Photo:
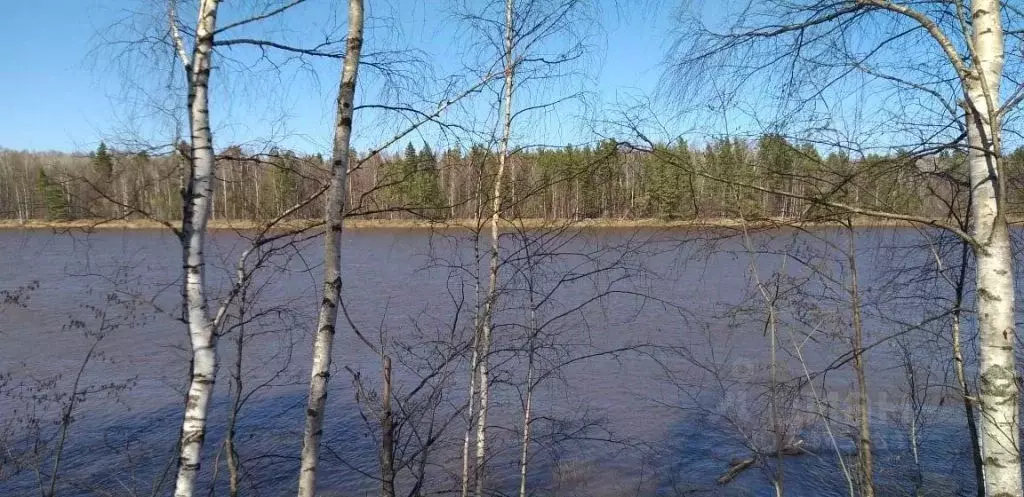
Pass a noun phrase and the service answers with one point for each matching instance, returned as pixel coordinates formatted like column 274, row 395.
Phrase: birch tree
column 483, row 340
column 981, row 77
column 197, row 203
column 519, row 44
column 198, row 197
column 333, row 218
column 779, row 46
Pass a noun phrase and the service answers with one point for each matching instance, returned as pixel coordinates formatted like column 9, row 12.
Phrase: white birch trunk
column 124, row 196
column 999, row 396
column 236, row 405
column 524, row 456
column 237, row 394
column 195, row 215
column 257, row 208
column 524, row 453
column 21, row 206
column 471, row 417
column 484, row 344
column 478, row 309
column 333, row 217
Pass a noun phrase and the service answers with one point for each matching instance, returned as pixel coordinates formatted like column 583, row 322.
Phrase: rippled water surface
column 683, row 393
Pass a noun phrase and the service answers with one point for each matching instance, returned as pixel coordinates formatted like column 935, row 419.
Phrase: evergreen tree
column 103, row 164
column 415, row 183
column 285, row 182
column 605, row 174
column 401, row 179
column 103, row 179
column 427, row 185
column 666, row 185
column 409, row 157
column 53, row 197
column 777, row 161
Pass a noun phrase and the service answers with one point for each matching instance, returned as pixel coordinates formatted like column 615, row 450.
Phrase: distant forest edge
column 764, row 179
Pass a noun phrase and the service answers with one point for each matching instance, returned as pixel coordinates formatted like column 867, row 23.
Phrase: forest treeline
column 728, row 178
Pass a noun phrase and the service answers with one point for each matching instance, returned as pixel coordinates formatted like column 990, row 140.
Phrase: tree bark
column 477, row 320
column 196, row 211
column 471, row 408
column 524, row 454
column 777, row 428
column 236, row 395
column 999, row 395
column 484, row 344
column 863, row 407
column 387, row 438
column 961, row 375
column 333, row 217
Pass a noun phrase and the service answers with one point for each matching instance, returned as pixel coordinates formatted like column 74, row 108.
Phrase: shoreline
column 450, row 224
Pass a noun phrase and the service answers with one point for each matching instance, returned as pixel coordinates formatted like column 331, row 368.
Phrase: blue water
column 609, row 426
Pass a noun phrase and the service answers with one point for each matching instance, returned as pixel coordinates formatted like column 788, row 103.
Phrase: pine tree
column 427, row 183
column 103, row 178
column 401, row 177
column 415, row 182
column 777, row 161
column 284, row 181
column 53, row 197
column 103, row 164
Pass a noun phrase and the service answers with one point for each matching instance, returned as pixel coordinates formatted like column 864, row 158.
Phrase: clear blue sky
column 51, row 100
column 60, row 91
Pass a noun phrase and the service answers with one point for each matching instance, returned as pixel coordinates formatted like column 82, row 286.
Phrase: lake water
column 651, row 346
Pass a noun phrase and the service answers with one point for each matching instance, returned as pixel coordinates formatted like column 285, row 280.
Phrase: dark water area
column 654, row 350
